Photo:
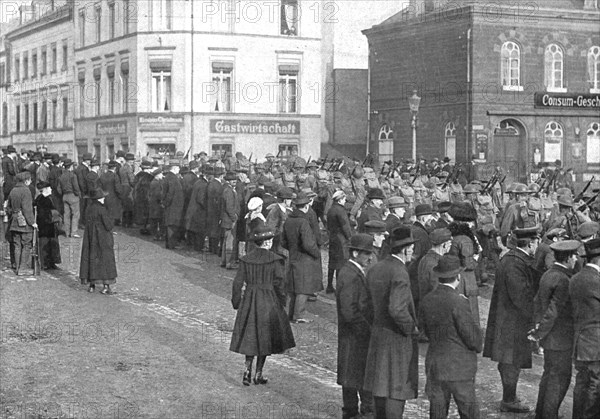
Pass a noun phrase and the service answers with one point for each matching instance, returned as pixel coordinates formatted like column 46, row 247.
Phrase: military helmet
column 534, row 188
column 520, row 188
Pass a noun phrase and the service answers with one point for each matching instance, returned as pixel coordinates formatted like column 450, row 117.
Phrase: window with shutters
column 593, row 59
column 553, row 68
column 221, row 96
column 288, row 88
column 510, row 66
column 161, row 86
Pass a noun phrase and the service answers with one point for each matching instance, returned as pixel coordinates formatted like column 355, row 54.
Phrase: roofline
column 63, row 13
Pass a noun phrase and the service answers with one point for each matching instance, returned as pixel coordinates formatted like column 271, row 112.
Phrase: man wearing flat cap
column 355, row 317
column 584, row 290
column 393, row 346
column 511, row 316
column 553, row 330
column 441, row 241
column 338, row 226
column 21, row 223
column 454, row 342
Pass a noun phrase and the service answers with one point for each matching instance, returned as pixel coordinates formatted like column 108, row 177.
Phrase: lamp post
column 413, row 102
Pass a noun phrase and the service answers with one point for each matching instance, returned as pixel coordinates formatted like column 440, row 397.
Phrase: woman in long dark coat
column 97, row 264
column 261, row 326
column 109, row 182
column 47, row 231
column 254, row 220
column 338, row 226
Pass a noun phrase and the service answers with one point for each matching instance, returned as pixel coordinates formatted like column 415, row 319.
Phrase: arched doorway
column 509, row 149
column 386, row 143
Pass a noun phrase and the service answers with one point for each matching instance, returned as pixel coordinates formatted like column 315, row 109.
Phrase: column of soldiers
column 409, row 245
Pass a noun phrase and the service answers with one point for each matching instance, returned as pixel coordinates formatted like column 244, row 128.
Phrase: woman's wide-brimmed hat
column 96, row 194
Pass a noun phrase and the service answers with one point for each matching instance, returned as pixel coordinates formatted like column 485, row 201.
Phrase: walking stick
column 35, row 251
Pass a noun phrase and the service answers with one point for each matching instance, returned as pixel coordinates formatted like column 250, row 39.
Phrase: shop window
column 511, row 66
column 553, row 68
column 287, row 150
column 288, row 88
column 450, row 140
column 593, row 144
column 4, row 119
column 220, row 150
column 593, row 59
column 289, row 17
column 553, row 141
column 385, row 140
column 222, row 91
column 161, row 86
column 162, row 149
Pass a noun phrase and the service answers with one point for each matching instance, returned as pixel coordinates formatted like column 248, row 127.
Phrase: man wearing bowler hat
column 391, row 372
column 373, row 211
column 454, row 342
column 355, row 317
column 419, row 230
column 511, row 316
column 554, row 328
column 584, row 290
column 397, row 206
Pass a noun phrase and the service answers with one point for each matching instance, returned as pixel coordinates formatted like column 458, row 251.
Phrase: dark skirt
column 49, row 251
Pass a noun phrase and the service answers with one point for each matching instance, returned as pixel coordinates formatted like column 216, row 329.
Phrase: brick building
column 512, row 84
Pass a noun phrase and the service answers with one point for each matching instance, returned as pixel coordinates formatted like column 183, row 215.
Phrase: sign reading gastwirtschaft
column 238, row 126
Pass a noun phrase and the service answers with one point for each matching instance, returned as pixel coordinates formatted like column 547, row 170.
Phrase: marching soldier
column 518, row 215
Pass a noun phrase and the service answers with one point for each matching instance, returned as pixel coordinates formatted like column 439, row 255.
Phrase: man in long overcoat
column 230, row 212
column 511, row 316
column 156, row 211
column 391, row 373
column 277, row 216
column 125, row 174
column 21, row 222
column 585, row 298
column 172, row 200
column 213, row 210
column 304, row 258
column 355, row 316
column 454, row 342
column 143, row 179
column 554, row 328
column 338, row 226
column 9, row 170
column 195, row 218
column 81, row 172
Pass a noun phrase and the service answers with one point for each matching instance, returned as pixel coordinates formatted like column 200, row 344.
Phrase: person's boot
column 260, row 363
column 248, row 373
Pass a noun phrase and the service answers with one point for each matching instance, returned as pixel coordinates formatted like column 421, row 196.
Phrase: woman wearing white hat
column 254, row 219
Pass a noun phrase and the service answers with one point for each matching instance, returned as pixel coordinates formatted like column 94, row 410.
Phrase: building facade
column 37, row 96
column 513, row 85
column 226, row 76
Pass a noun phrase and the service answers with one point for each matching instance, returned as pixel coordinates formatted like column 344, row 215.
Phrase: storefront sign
column 160, row 121
column 236, row 126
column 111, row 128
column 566, row 100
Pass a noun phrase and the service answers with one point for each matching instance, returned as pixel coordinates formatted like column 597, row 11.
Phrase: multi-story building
column 166, row 75
column 4, row 77
column 513, row 84
column 38, row 95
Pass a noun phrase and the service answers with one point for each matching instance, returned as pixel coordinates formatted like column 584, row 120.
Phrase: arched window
column 386, row 143
column 507, row 127
column 553, row 66
column 594, row 68
column 553, row 140
column 593, row 143
column 510, row 66
column 450, row 140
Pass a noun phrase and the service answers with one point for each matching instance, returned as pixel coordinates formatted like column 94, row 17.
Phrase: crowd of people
column 409, row 246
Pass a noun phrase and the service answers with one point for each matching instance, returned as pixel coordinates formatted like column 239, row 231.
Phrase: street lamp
column 413, row 102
